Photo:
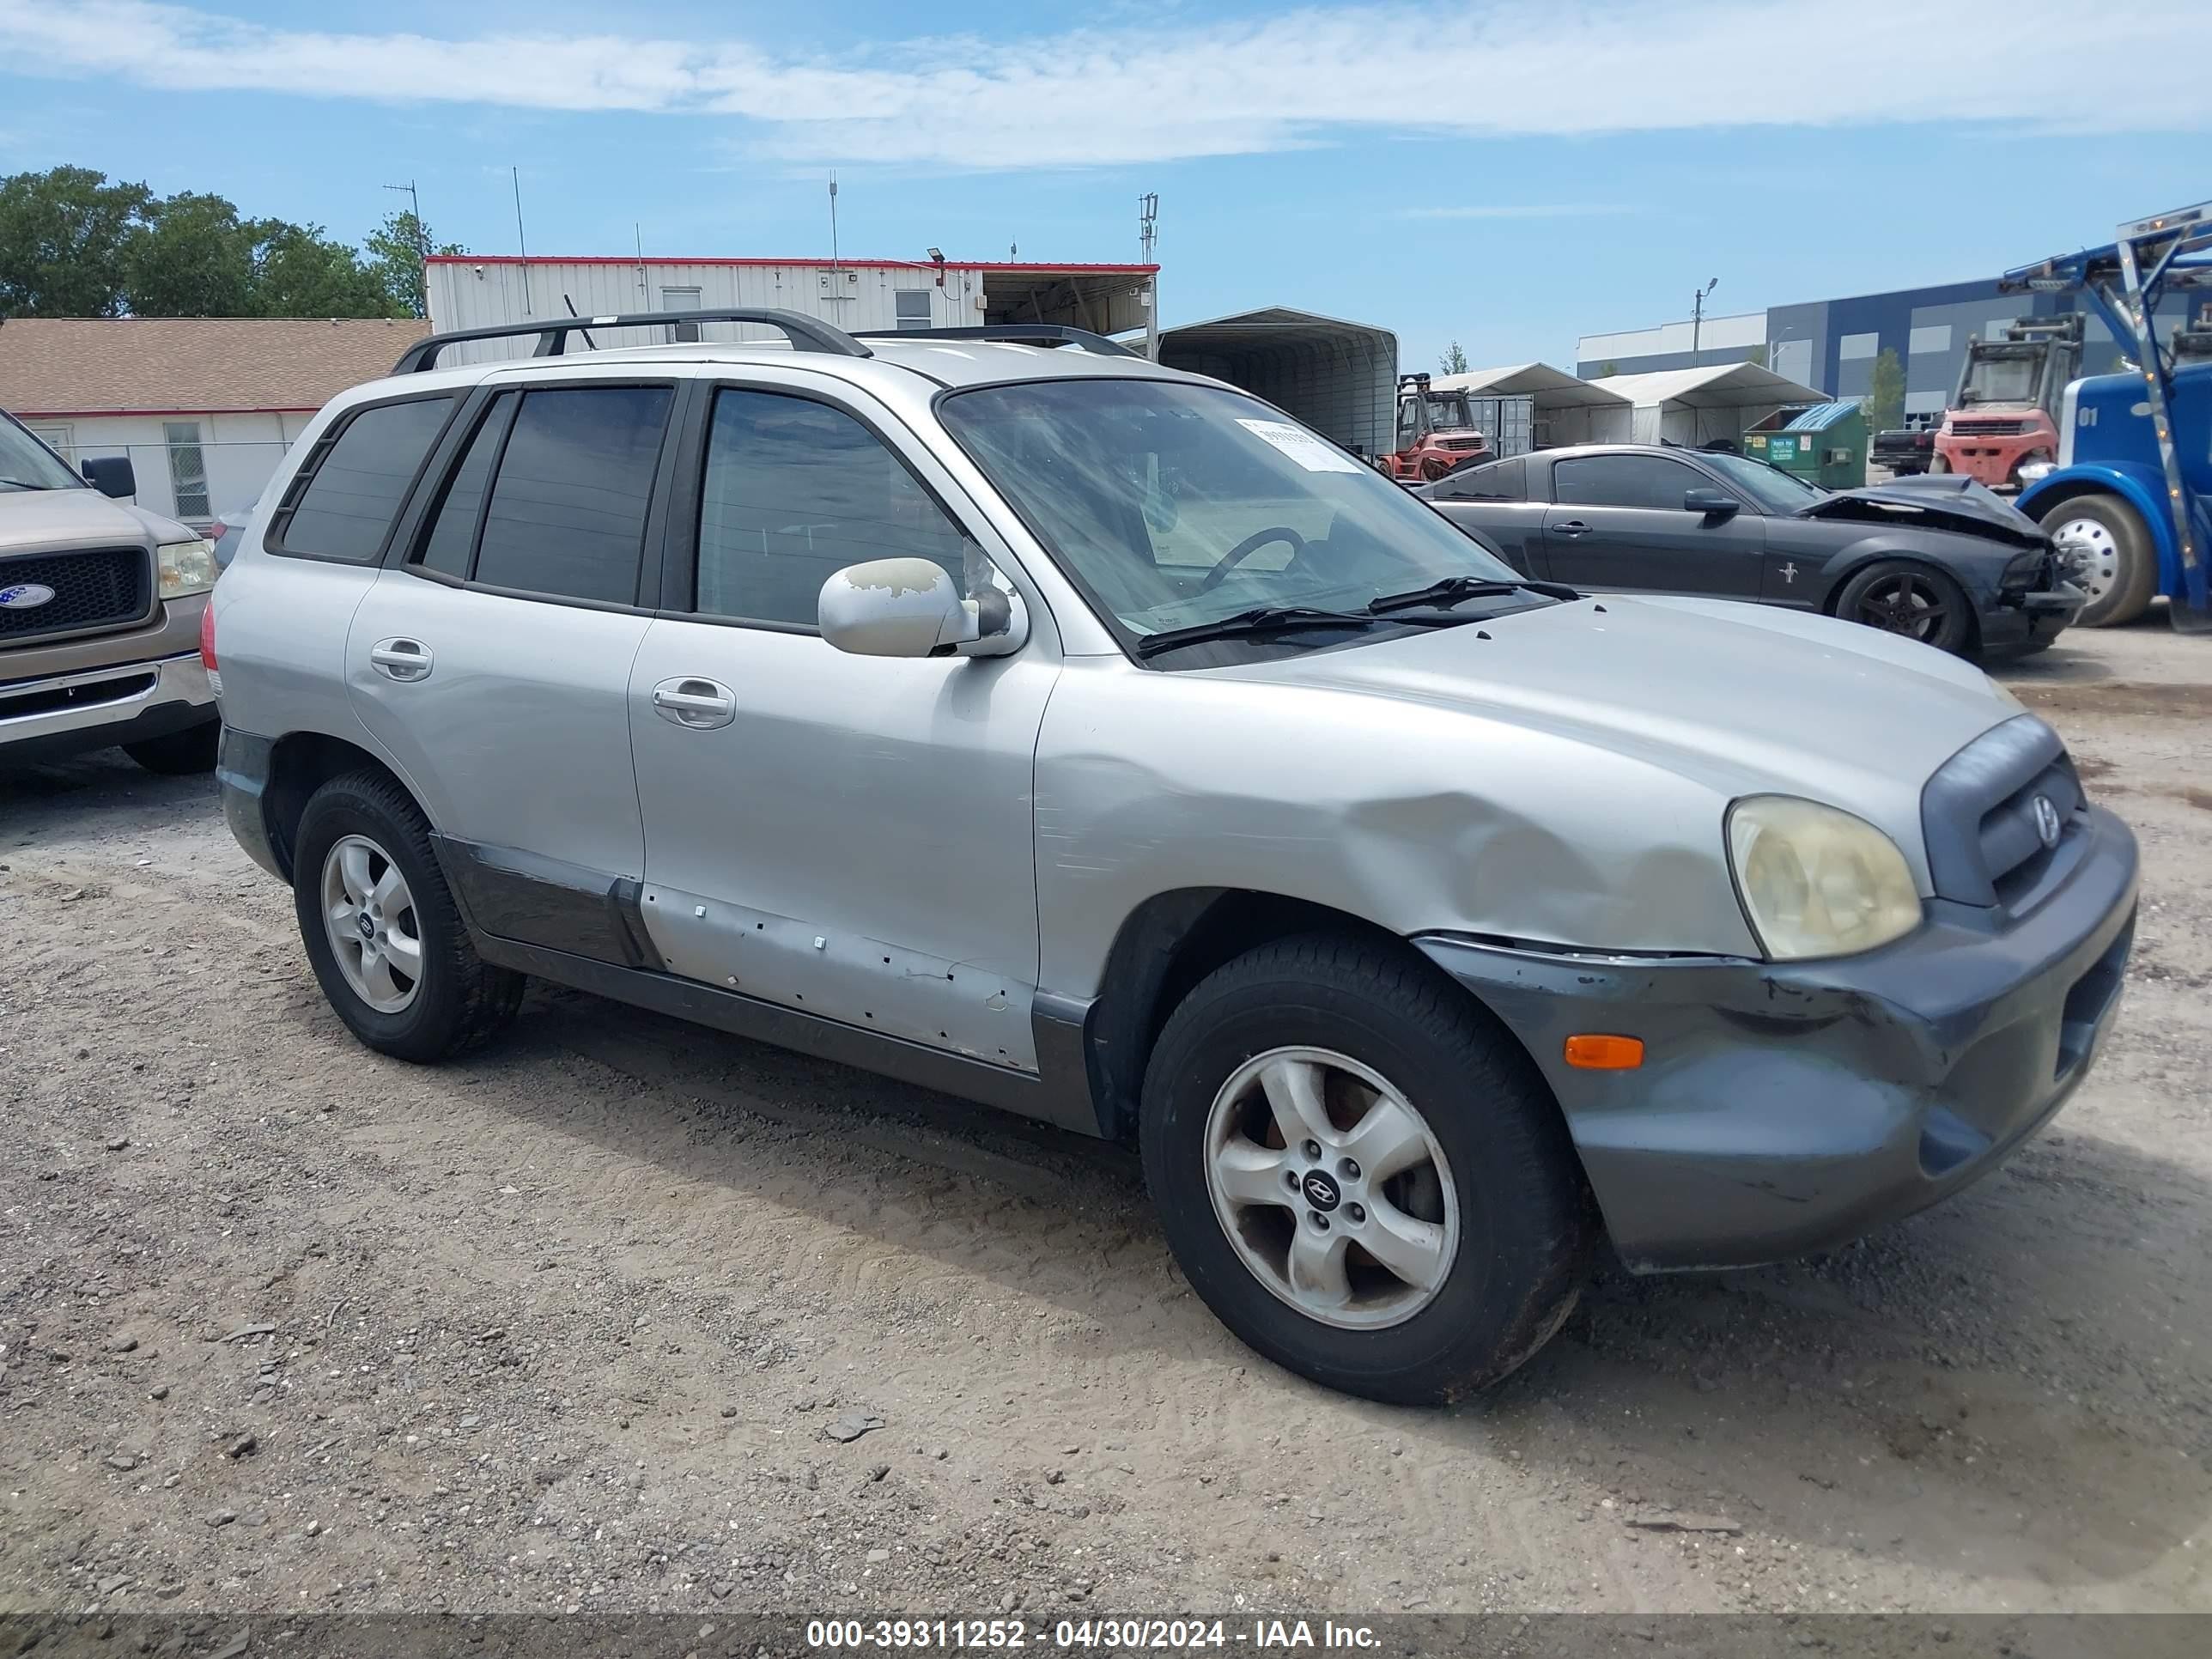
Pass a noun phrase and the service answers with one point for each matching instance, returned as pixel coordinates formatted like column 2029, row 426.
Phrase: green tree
column 64, row 240
column 1606, row 370
column 396, row 251
column 301, row 272
column 1453, row 361
column 190, row 256
column 1885, row 398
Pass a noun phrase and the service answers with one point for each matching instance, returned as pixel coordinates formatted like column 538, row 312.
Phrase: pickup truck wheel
column 382, row 932
column 179, row 754
column 2108, row 555
column 1361, row 1174
column 1916, row 600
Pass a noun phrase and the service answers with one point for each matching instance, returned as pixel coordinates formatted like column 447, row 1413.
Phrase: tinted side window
column 567, row 513
column 452, row 542
column 794, row 491
column 1500, row 481
column 1623, row 481
column 354, row 485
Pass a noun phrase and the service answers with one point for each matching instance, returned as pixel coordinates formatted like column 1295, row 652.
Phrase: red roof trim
column 1023, row 266
column 128, row 414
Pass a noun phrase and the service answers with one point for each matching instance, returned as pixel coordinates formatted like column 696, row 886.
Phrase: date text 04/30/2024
column 1109, row 1635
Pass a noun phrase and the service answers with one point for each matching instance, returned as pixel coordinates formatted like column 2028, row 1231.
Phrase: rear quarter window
column 341, row 503
column 1498, row 481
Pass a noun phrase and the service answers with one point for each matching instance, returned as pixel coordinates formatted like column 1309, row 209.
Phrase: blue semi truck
column 2129, row 499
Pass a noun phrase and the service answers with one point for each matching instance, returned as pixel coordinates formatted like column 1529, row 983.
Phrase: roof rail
column 806, row 333
column 1011, row 334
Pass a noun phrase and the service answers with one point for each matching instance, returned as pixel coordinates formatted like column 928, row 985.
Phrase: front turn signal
column 1592, row 1052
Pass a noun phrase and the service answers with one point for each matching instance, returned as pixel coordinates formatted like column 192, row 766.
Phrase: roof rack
column 1011, row 334
column 804, row 333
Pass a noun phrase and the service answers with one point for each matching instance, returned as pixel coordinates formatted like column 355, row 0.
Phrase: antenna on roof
column 516, row 174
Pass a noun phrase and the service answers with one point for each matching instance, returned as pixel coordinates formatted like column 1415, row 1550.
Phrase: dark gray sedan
column 1939, row 559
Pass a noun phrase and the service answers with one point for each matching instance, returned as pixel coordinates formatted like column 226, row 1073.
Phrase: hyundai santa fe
column 1004, row 712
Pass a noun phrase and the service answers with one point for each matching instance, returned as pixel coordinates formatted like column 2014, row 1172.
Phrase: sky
column 1508, row 174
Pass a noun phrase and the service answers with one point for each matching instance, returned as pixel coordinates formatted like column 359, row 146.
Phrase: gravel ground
column 625, row 1316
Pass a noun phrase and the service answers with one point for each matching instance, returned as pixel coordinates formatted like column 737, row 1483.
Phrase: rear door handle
column 1572, row 527
column 401, row 660
column 700, row 704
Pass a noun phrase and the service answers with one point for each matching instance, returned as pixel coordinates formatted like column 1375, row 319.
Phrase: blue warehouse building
column 1832, row 343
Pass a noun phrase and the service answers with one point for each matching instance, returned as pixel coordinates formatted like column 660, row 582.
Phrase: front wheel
column 1916, row 600
column 1937, row 465
column 1361, row 1174
column 382, row 932
column 2108, row 555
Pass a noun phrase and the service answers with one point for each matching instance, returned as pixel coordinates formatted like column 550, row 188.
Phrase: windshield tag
column 1301, row 445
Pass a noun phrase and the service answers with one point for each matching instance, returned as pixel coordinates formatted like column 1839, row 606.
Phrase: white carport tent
column 1567, row 411
column 1340, row 378
column 1695, row 406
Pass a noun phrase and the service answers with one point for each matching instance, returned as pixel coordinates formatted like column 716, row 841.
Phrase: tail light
column 207, row 646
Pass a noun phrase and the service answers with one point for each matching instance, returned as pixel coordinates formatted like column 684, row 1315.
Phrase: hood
column 1938, row 501
column 45, row 520
column 1743, row 699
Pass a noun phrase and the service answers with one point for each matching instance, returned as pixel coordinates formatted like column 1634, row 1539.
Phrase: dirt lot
column 286, row 1325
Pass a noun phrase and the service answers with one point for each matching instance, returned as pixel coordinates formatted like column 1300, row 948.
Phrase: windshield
column 27, row 463
column 1769, row 487
column 2001, row 381
column 1448, row 412
column 1173, row 505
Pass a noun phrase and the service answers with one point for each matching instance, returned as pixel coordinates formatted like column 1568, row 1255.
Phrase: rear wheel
column 1361, row 1174
column 382, row 932
column 2108, row 555
column 179, row 754
column 1916, row 600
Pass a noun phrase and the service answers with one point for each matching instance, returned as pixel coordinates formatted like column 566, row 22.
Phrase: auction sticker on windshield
column 1301, row 445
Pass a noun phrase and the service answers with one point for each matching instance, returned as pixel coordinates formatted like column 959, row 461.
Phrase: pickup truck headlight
column 185, row 568
column 1817, row 882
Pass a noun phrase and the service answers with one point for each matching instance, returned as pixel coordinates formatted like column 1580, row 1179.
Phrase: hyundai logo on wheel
column 25, row 596
column 2047, row 821
column 1321, row 1191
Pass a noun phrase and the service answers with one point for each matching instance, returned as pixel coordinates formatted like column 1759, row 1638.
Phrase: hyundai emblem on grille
column 25, row 596
column 2047, row 821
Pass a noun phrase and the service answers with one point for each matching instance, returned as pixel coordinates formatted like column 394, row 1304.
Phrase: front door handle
column 1572, row 528
column 700, row 704
column 401, row 660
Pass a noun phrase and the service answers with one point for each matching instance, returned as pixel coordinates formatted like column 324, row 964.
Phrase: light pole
column 1698, row 317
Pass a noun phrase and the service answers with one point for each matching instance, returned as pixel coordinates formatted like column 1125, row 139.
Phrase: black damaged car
column 1938, row 558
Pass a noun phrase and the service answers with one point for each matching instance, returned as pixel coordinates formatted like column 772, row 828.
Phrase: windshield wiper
column 1456, row 590
column 1260, row 619
column 24, row 483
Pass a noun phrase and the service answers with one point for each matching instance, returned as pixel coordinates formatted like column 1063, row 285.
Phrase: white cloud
column 1178, row 86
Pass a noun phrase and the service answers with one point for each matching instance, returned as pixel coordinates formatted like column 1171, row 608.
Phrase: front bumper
column 97, row 708
column 2031, row 619
column 1783, row 1108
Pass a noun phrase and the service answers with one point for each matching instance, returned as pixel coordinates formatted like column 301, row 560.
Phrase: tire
column 1903, row 596
column 179, row 754
column 454, row 1001
column 1938, row 465
column 2119, row 570
column 1495, row 1142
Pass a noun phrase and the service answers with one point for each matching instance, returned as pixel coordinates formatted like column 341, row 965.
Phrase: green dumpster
column 1825, row 444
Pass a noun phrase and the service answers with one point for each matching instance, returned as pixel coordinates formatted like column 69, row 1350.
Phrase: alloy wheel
column 369, row 916
column 1332, row 1187
column 1905, row 604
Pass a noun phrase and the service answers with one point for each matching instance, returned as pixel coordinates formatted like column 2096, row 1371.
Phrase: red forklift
column 2003, row 415
column 1437, row 433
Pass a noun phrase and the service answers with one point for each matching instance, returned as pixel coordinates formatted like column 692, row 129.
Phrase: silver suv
column 1019, row 717
column 101, row 603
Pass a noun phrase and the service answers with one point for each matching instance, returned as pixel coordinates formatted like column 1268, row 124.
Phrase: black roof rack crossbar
column 806, row 333
column 1011, row 334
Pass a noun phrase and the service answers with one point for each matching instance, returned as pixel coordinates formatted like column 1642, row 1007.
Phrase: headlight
column 1816, row 882
column 185, row 567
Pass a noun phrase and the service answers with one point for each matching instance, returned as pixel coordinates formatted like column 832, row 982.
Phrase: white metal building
column 470, row 291
column 1562, row 409
column 1696, row 406
column 1340, row 378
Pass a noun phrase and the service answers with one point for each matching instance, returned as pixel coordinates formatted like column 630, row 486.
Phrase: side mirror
column 1710, row 502
column 909, row 608
column 110, row 475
